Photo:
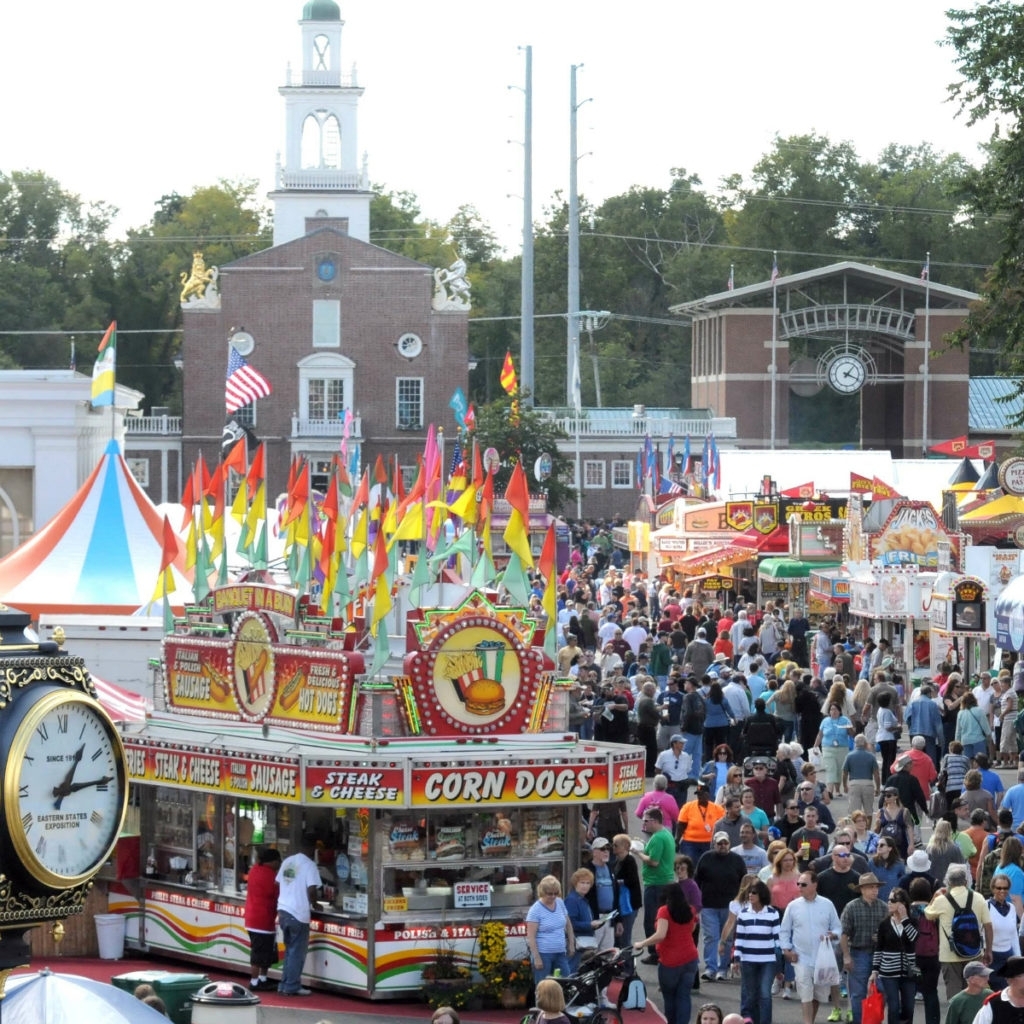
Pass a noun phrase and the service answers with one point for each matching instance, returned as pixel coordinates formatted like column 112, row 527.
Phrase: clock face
column 410, row 345
column 846, row 374
column 326, row 270
column 65, row 791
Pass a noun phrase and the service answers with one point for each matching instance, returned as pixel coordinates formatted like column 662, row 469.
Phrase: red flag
column 801, row 491
column 236, row 457
column 168, row 545
column 257, row 472
column 471, row 417
column 362, row 495
column 955, row 446
column 547, row 554
column 982, row 450
column 880, row 489
column 380, row 474
column 860, row 484
column 517, row 494
column 380, row 557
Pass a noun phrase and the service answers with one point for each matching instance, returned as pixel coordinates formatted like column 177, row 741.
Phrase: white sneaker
column 722, row 975
column 776, row 987
column 787, row 993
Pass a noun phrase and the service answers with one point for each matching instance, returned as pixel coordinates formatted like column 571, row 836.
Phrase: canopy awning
column 700, row 563
column 791, row 568
column 122, row 705
column 832, row 585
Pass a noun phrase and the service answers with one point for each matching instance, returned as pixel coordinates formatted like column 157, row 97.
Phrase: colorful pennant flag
column 104, row 368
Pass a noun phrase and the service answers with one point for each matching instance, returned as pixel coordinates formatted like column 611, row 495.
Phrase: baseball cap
column 678, row 738
column 975, row 969
column 600, row 843
column 722, row 837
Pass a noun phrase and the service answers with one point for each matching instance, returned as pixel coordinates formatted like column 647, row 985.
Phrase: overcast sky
column 125, row 101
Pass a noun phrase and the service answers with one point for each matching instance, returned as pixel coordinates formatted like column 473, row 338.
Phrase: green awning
column 791, row 568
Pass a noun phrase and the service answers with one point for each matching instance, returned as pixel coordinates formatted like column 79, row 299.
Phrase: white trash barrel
column 110, row 936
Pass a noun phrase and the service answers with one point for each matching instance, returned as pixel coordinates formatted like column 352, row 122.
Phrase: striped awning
column 122, row 705
column 698, row 563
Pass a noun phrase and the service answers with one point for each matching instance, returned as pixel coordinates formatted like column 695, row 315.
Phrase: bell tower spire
column 321, row 175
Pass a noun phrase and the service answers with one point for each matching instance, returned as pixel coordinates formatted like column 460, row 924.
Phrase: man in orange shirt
column 697, row 820
column 979, row 835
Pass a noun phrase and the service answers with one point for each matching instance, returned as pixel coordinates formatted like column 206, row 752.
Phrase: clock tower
column 321, row 175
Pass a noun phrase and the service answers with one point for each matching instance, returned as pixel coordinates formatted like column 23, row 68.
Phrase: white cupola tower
column 321, row 175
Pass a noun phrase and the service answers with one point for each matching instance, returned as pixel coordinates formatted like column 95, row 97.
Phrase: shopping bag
column 826, row 969
column 873, row 1007
column 814, row 756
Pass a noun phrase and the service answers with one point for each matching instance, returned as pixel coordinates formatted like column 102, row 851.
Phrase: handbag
column 872, row 1008
column 625, row 901
column 938, row 805
column 826, row 968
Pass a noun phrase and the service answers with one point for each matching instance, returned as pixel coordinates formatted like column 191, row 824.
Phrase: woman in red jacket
column 261, row 917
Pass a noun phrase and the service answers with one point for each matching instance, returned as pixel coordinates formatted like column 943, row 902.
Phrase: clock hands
column 64, row 788
column 74, row 787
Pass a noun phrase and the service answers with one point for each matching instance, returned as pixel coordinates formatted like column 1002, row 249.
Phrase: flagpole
column 927, row 351
column 775, row 317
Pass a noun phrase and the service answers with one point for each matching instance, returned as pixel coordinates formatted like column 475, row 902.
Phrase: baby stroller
column 765, row 759
column 583, row 989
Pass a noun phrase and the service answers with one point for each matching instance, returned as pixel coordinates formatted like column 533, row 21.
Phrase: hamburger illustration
column 476, row 676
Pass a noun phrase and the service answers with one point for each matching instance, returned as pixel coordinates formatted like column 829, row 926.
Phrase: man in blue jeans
column 298, row 880
column 719, row 873
column 858, row 931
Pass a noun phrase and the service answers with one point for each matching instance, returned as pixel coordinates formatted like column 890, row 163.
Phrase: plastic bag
column 826, row 969
column 872, row 1008
column 814, row 756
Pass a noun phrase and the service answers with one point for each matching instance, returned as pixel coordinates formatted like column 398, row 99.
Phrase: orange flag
column 257, row 472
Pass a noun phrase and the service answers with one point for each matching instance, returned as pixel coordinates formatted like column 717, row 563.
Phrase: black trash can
column 225, row 1001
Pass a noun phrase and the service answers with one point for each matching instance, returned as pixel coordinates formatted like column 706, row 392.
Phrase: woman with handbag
column 631, row 892
column 893, row 965
column 972, row 726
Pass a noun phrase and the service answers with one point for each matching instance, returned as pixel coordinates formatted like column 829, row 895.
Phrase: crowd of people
column 800, row 790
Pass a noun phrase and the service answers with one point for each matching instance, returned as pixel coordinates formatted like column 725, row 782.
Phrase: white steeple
column 321, row 175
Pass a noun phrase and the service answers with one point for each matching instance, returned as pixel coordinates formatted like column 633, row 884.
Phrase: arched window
column 321, row 140
column 321, row 53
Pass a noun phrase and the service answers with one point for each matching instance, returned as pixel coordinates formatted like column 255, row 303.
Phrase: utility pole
column 573, row 290
column 526, row 288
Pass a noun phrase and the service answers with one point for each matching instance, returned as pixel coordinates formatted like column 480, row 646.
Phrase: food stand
column 438, row 798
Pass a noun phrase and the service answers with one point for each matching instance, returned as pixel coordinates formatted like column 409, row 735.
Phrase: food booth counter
column 438, row 798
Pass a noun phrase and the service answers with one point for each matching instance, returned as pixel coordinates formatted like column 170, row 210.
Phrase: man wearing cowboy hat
column 858, row 924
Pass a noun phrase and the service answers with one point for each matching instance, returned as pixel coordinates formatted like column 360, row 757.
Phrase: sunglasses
column 1000, row 888
column 841, row 854
column 792, row 807
column 804, row 885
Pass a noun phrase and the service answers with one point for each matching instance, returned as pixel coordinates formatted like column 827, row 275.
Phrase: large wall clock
column 65, row 789
column 846, row 370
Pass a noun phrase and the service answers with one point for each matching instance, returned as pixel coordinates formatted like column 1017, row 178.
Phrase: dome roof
column 321, row 10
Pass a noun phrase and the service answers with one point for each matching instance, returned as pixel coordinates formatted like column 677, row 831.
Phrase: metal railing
column 816, row 320
column 642, row 426
column 325, row 428
column 165, row 425
column 321, row 178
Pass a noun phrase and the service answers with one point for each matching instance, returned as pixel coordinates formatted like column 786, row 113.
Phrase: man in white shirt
column 298, row 881
column 635, row 635
column 735, row 693
column 805, row 922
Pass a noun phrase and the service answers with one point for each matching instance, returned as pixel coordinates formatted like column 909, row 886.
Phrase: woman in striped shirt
column 757, row 935
column 893, row 964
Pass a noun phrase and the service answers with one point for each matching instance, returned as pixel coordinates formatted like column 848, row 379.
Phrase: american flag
column 775, row 267
column 732, row 280
column 926, row 270
column 244, row 384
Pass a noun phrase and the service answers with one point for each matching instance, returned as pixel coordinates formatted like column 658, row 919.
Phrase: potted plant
column 507, row 980
column 446, row 981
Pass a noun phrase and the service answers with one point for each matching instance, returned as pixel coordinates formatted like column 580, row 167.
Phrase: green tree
column 224, row 222
column 533, row 435
column 989, row 44
column 56, row 268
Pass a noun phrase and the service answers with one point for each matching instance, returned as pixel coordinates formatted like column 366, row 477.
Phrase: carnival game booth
column 959, row 624
column 439, row 797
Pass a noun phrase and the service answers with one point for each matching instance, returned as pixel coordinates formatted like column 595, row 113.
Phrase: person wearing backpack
column 926, row 949
column 965, row 927
column 1008, row 1005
